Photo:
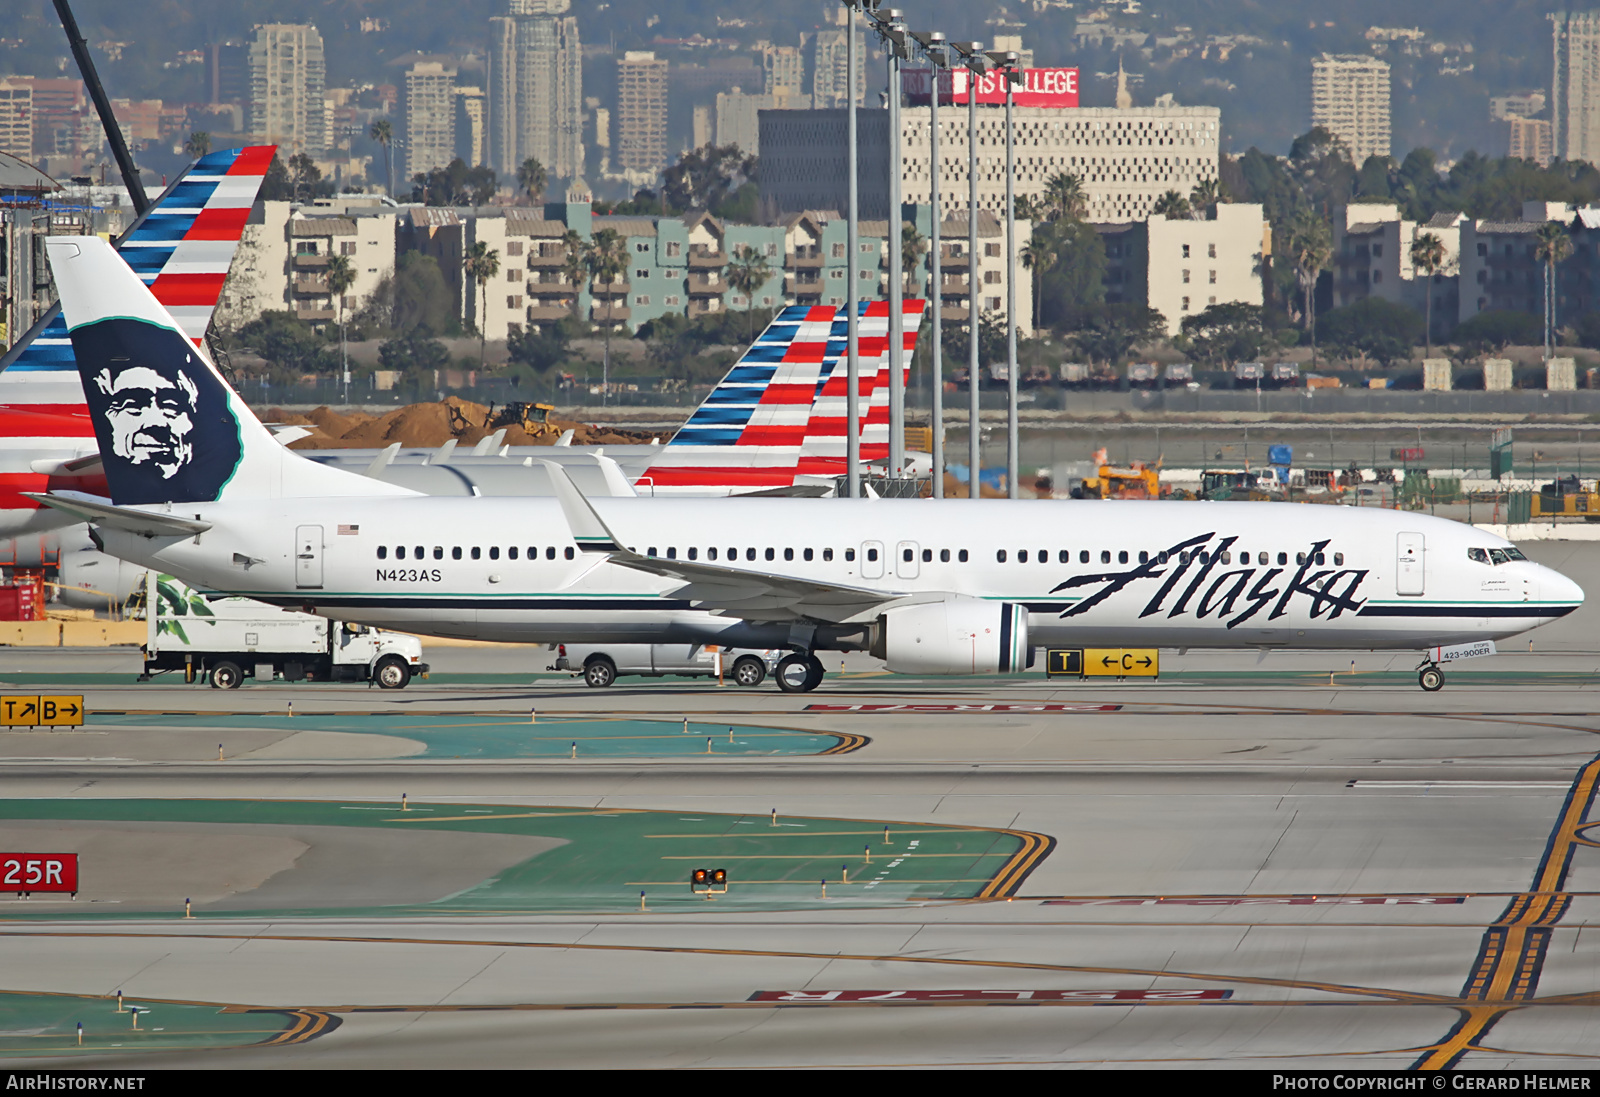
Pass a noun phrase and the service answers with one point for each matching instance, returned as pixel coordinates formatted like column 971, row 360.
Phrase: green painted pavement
column 504, row 735
column 47, row 1025
column 612, row 855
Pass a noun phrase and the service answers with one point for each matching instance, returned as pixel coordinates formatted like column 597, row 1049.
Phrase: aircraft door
column 905, row 560
column 1410, row 563
column 872, row 559
column 308, row 557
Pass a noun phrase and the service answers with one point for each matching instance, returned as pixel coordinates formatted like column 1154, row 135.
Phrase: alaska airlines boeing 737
column 200, row 489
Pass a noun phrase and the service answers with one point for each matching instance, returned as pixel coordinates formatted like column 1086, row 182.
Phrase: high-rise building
column 472, row 126
column 785, row 70
column 430, row 117
column 641, row 113
column 16, row 119
column 1575, row 85
column 536, row 88
column 1350, row 99
column 288, row 74
column 739, row 116
column 830, row 66
column 1530, row 139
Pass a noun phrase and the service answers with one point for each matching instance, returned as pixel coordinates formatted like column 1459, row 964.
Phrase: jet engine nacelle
column 955, row 636
column 90, row 579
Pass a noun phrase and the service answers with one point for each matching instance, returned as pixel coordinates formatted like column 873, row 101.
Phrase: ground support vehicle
column 602, row 664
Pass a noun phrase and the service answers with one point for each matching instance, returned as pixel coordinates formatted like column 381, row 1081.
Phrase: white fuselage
column 510, row 570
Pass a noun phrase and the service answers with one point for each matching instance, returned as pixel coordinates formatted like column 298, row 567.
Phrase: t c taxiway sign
column 1103, row 662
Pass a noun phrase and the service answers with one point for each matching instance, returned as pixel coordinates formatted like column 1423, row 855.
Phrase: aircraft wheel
column 1431, row 679
column 815, row 679
column 795, row 674
column 749, row 672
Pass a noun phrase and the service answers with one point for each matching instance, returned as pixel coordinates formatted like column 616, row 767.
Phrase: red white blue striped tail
column 181, row 248
column 824, row 451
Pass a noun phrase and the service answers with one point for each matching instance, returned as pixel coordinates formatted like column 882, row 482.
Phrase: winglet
column 588, row 528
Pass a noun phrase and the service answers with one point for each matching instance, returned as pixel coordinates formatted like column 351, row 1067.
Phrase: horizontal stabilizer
column 143, row 522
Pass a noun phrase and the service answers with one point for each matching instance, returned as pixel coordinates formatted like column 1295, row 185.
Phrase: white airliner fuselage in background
column 201, row 490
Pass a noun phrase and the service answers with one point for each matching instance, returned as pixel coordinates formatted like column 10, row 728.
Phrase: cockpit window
column 1478, row 554
column 1498, row 556
column 1514, row 553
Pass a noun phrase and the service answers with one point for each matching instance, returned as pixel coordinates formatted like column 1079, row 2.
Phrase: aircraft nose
column 1557, row 588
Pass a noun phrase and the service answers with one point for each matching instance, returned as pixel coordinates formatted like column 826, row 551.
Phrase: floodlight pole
column 891, row 30
column 972, row 57
column 938, row 58
column 852, row 263
column 1007, row 63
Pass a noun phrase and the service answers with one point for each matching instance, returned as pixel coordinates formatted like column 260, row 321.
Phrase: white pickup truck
column 231, row 639
column 601, row 664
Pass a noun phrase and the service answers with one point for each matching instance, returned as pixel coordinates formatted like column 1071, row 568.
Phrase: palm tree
column 748, row 271
column 198, row 144
column 1311, row 245
column 1427, row 256
column 1205, row 195
column 1551, row 247
column 913, row 246
column 481, row 263
column 574, row 266
column 340, row 276
column 532, row 178
column 1039, row 255
column 383, row 133
column 606, row 259
column 1171, row 205
column 1064, row 196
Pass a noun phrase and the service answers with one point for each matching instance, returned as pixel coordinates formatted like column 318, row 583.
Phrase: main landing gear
column 800, row 672
column 1430, row 677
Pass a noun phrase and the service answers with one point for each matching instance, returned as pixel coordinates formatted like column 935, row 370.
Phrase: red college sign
column 29, row 872
column 1040, row 87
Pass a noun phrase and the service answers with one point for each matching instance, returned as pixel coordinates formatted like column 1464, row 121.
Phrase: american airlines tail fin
column 181, row 248
column 169, row 428
column 746, row 435
column 823, row 452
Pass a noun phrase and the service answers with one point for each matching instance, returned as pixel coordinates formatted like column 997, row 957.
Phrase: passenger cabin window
column 1105, row 556
column 749, row 554
column 672, row 553
column 961, row 557
column 494, row 552
column 711, row 554
column 550, row 552
column 694, row 554
column 770, row 554
column 907, row 554
column 571, row 552
column 511, row 553
column 420, row 554
column 927, row 556
column 849, row 555
column 1338, row 559
column 1261, row 558
column 400, row 552
column 455, row 553
column 807, row 555
column 477, row 553
column 438, row 552
column 872, row 554
column 1065, row 556
column 1000, row 556
column 1144, row 557
column 788, row 554
column 383, row 552
column 1022, row 556
column 1083, row 556
column 944, row 556
column 827, row 555
column 1283, row 558
column 1122, row 557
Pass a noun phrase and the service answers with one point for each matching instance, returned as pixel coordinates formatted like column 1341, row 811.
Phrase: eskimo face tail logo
column 162, row 419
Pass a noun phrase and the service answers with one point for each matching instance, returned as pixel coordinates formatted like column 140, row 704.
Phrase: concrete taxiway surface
column 1237, row 865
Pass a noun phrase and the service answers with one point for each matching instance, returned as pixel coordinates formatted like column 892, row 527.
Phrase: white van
column 600, row 664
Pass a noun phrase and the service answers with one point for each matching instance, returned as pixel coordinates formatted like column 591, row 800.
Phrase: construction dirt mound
column 426, row 426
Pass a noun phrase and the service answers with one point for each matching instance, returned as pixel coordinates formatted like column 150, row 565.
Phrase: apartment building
column 430, row 113
column 1372, row 258
column 1575, row 85
column 641, row 138
column 1126, row 159
column 1350, row 99
column 288, row 77
column 1182, row 266
column 284, row 252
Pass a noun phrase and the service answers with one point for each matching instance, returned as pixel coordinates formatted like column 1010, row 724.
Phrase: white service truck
column 231, row 639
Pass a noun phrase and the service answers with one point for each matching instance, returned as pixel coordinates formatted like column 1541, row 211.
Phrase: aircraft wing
column 730, row 592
